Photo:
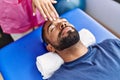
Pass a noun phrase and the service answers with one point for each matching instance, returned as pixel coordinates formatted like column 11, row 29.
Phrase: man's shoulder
column 111, row 41
column 61, row 74
column 57, row 74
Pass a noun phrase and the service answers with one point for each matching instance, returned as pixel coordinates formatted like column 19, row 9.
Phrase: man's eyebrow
column 49, row 26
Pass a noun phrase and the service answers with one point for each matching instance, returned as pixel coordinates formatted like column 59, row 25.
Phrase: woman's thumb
column 34, row 9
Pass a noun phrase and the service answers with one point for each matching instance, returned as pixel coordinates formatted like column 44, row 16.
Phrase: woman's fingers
column 46, row 8
column 47, row 11
column 38, row 5
column 53, row 1
column 54, row 12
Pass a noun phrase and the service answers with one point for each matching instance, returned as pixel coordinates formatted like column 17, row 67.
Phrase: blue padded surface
column 17, row 60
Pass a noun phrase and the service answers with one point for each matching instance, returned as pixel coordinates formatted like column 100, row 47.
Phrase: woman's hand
column 46, row 8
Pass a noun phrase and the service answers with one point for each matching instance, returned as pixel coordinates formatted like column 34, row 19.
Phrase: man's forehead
column 57, row 20
column 47, row 23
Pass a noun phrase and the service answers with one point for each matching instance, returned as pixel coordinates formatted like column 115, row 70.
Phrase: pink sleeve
column 17, row 16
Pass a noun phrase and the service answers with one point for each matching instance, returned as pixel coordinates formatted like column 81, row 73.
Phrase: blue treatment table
column 18, row 60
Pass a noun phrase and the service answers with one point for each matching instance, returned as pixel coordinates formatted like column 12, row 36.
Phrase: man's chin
column 67, row 42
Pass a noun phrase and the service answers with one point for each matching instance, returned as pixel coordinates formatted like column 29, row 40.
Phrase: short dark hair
column 45, row 40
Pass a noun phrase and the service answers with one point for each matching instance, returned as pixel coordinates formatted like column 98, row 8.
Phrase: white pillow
column 86, row 37
column 49, row 62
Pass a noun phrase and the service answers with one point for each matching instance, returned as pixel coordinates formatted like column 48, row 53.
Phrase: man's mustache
column 60, row 33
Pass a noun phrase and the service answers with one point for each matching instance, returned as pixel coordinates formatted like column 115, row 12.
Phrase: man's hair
column 45, row 40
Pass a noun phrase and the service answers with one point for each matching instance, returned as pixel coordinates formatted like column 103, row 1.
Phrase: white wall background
column 105, row 11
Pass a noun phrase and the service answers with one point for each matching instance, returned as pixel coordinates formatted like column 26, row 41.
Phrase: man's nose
column 62, row 25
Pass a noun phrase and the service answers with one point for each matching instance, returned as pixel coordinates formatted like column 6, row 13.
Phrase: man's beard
column 68, row 41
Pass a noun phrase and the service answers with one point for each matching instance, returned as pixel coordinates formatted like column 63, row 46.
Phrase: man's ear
column 50, row 48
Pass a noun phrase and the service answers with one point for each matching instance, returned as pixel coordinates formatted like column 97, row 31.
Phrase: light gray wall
column 105, row 11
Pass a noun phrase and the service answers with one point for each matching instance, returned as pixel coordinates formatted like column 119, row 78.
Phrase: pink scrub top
column 16, row 16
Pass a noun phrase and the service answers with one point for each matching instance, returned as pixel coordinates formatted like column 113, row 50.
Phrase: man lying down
column 97, row 62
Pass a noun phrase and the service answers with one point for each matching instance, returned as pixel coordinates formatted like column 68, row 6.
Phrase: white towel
column 86, row 37
column 48, row 63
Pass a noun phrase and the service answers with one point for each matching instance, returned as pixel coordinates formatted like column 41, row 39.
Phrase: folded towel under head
column 49, row 62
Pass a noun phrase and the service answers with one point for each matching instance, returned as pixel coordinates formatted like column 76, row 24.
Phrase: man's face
column 61, row 34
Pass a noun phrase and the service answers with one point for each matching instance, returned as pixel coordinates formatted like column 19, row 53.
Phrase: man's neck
column 74, row 52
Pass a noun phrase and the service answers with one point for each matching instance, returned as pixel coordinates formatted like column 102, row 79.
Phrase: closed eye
column 52, row 27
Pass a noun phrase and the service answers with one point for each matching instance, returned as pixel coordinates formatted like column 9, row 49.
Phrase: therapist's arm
column 46, row 8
